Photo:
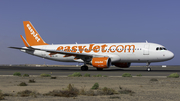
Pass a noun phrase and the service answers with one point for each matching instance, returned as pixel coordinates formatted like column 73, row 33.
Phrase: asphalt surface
column 112, row 71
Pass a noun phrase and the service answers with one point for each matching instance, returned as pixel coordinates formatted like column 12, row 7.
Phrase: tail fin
column 32, row 36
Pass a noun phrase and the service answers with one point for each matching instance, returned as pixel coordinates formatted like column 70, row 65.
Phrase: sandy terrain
column 165, row 89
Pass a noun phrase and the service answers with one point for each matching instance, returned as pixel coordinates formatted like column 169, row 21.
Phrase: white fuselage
column 118, row 52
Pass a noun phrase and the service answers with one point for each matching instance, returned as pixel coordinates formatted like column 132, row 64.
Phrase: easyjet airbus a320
column 100, row 55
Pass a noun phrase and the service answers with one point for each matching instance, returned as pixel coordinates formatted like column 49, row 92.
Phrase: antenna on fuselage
column 76, row 43
column 146, row 41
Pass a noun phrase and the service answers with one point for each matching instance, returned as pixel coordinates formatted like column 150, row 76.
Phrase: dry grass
column 27, row 93
column 1, row 96
column 106, row 91
column 71, row 91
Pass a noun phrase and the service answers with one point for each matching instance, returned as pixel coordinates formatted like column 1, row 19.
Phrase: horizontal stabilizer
column 23, row 48
column 18, row 48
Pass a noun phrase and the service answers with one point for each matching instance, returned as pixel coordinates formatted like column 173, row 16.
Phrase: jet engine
column 101, row 62
column 122, row 64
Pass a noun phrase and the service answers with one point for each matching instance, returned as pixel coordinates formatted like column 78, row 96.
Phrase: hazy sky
column 89, row 21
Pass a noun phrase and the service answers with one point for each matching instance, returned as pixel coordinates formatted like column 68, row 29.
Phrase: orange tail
column 32, row 36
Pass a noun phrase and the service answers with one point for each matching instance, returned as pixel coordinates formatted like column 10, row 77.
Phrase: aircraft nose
column 170, row 55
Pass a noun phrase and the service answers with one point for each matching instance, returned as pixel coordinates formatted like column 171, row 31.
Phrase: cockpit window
column 161, row 48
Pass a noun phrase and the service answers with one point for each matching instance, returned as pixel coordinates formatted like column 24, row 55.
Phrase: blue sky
column 89, row 21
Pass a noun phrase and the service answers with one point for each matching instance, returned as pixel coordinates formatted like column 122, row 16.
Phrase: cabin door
column 146, row 49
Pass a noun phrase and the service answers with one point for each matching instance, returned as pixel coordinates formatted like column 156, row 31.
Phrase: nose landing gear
column 148, row 68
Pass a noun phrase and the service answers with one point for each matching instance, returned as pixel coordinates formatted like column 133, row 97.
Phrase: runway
column 113, row 71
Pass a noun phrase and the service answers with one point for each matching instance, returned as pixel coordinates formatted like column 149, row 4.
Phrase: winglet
column 25, row 42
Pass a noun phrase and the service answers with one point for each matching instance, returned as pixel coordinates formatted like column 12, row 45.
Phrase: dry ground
column 165, row 89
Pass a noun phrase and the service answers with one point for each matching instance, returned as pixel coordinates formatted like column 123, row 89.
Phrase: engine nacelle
column 122, row 64
column 101, row 62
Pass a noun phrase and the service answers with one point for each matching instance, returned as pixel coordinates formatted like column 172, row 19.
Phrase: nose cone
column 169, row 55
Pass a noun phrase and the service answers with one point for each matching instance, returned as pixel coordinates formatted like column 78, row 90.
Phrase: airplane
column 99, row 55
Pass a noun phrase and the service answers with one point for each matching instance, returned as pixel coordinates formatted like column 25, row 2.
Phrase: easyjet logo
column 98, row 61
column 35, row 35
column 98, row 48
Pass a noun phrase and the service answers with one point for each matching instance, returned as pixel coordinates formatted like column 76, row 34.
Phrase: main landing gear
column 84, row 68
column 148, row 68
column 99, row 69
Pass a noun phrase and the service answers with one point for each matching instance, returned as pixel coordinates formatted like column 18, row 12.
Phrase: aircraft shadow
column 78, row 69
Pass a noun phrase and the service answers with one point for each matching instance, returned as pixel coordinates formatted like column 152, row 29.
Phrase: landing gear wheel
column 99, row 69
column 148, row 69
column 84, row 68
column 147, row 65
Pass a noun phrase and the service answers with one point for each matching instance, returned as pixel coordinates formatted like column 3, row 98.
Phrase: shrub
column 153, row 79
column 53, row 77
column 82, row 92
column 70, row 76
column 76, row 74
column 114, row 97
column 126, row 91
column 98, row 75
column 22, row 84
column 126, row 75
column 105, row 76
column 26, row 93
column 1, row 96
column 26, row 75
column 17, row 74
column 7, row 94
column 106, row 91
column 71, row 91
column 62, row 93
column 173, row 75
column 120, row 87
column 45, row 75
column 71, row 87
column 90, row 93
column 87, row 75
column 139, row 75
column 32, row 81
column 95, row 86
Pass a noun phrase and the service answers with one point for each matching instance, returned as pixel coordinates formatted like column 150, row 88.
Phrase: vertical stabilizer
column 32, row 36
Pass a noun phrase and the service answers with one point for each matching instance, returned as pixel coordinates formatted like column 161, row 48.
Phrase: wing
column 83, row 56
column 66, row 53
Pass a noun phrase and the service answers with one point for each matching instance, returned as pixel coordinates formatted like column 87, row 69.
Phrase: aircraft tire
column 99, row 69
column 148, row 69
column 84, row 68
